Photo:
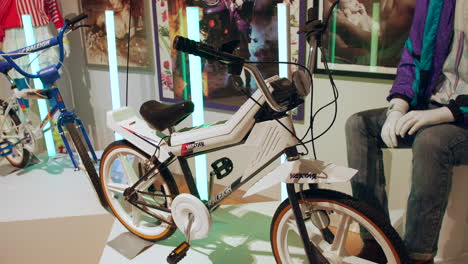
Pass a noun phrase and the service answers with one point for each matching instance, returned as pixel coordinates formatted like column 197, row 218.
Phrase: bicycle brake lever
column 79, row 26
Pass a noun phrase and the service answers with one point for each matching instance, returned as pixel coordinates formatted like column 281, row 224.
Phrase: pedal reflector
column 6, row 148
column 178, row 253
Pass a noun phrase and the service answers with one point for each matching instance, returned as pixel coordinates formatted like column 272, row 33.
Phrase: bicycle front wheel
column 122, row 165
column 88, row 164
column 19, row 156
column 347, row 216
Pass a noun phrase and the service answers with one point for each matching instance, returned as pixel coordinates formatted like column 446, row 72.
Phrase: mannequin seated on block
column 428, row 112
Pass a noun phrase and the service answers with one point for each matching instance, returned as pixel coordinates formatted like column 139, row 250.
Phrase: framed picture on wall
column 252, row 22
column 365, row 37
column 141, row 44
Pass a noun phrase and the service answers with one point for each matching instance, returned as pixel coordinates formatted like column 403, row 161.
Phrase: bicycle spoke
column 136, row 216
column 130, row 174
column 293, row 226
column 116, row 187
column 341, row 236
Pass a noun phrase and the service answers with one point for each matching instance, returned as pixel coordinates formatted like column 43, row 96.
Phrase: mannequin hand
column 414, row 120
column 66, row 46
column 398, row 107
column 388, row 133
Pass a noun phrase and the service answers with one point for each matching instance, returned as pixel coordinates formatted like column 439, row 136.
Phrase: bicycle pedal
column 178, row 253
column 6, row 148
column 222, row 168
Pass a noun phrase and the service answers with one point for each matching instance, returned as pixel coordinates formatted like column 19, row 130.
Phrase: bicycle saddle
column 162, row 116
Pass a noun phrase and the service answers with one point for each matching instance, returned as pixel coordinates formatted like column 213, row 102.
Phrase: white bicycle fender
column 303, row 171
column 126, row 123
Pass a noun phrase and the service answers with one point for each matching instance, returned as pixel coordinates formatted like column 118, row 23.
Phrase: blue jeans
column 436, row 150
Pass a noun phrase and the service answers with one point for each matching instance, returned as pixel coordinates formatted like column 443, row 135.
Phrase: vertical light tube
column 283, row 55
column 333, row 38
column 113, row 65
column 35, row 68
column 374, row 37
column 283, row 39
column 196, row 93
column 183, row 64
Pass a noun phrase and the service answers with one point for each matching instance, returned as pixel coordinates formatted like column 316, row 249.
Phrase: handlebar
column 57, row 40
column 71, row 22
column 313, row 29
column 205, row 51
column 215, row 54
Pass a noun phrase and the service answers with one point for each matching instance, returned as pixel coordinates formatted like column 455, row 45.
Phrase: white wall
column 91, row 86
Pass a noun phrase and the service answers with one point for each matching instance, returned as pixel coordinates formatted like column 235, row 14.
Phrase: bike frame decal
column 300, row 175
column 49, row 117
column 187, row 148
column 22, row 104
column 144, row 138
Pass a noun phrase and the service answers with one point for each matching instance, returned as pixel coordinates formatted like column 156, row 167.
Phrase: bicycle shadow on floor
column 52, row 165
column 237, row 236
column 6, row 169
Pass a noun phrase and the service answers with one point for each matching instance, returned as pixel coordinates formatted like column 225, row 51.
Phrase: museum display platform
column 51, row 215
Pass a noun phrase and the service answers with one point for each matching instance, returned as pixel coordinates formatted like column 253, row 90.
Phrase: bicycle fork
column 70, row 117
column 313, row 254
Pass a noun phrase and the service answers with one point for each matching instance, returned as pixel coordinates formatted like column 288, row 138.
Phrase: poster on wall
column 95, row 41
column 365, row 37
column 252, row 22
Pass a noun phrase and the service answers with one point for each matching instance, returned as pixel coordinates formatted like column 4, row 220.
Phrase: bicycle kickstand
column 181, row 250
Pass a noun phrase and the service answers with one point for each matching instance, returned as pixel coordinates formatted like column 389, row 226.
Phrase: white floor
column 51, row 215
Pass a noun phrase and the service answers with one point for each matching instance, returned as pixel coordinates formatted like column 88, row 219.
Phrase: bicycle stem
column 263, row 86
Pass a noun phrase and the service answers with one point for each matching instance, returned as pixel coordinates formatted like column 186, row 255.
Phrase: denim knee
column 353, row 124
column 430, row 146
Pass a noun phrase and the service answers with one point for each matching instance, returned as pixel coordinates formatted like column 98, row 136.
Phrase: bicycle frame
column 48, row 75
column 65, row 117
column 246, row 127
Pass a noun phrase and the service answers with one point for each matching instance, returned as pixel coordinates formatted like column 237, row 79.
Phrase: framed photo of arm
column 252, row 22
column 141, row 44
column 365, row 37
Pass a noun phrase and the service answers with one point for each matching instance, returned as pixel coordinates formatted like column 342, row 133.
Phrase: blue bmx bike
column 18, row 138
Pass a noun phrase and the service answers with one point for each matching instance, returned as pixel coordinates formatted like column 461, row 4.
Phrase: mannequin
column 428, row 112
column 42, row 12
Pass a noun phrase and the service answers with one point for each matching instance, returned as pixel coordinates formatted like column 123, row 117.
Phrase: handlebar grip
column 205, row 51
column 185, row 45
column 76, row 19
column 312, row 13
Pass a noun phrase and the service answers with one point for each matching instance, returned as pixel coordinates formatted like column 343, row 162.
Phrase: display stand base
column 129, row 245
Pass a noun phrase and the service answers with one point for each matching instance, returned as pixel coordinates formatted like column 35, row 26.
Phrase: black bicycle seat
column 162, row 116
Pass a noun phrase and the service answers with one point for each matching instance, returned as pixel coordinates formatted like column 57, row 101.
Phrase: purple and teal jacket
column 424, row 54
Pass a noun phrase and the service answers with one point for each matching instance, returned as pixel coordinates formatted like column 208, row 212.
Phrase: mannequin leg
column 364, row 154
column 436, row 150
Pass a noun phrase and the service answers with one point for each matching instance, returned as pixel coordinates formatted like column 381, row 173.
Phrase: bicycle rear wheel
column 121, row 166
column 19, row 156
column 346, row 216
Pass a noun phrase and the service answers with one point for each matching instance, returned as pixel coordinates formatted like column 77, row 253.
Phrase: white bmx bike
column 312, row 226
